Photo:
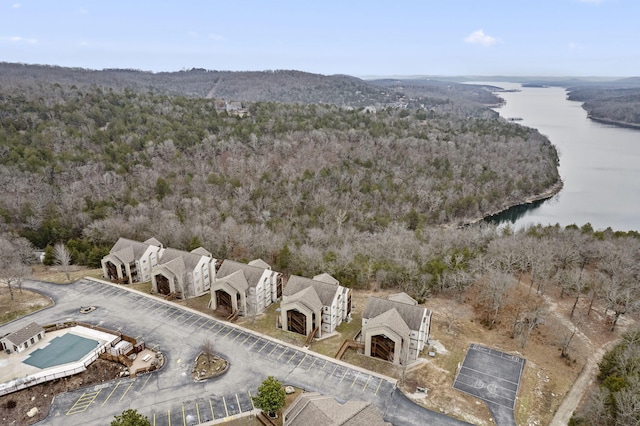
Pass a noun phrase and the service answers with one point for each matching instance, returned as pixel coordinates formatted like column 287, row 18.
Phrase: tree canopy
column 271, row 396
column 130, row 417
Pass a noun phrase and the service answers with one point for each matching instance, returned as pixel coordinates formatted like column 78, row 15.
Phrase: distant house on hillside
column 309, row 304
column 314, row 409
column 245, row 288
column 21, row 339
column 131, row 261
column 395, row 329
column 186, row 274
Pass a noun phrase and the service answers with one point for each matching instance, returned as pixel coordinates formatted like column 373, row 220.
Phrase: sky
column 354, row 37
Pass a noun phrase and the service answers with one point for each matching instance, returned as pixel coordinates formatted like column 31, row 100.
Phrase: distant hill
column 283, row 86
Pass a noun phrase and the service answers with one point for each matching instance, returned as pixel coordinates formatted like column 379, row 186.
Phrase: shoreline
column 545, row 195
column 614, row 122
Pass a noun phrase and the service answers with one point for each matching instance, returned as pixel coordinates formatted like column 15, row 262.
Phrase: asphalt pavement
column 170, row 396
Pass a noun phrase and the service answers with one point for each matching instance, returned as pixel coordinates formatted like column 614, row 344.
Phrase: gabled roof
column 411, row 314
column 175, row 265
column 128, row 250
column 201, row 251
column 318, row 410
column 260, row 264
column 391, row 319
column 326, row 278
column 235, row 280
column 24, row 334
column 403, row 297
column 153, row 242
column 326, row 292
column 189, row 260
column 251, row 273
column 124, row 255
column 307, row 297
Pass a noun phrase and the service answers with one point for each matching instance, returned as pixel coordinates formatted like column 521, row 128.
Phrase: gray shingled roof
column 251, row 273
column 260, row 264
column 153, row 242
column 175, row 265
column 128, row 250
column 391, row 319
column 190, row 260
column 411, row 314
column 326, row 292
column 326, row 278
column 24, row 334
column 307, row 297
column 318, row 410
column 236, row 280
column 402, row 297
column 201, row 252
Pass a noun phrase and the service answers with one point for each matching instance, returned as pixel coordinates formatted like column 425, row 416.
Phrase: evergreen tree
column 49, row 256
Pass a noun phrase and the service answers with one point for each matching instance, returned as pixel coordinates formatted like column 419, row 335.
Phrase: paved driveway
column 170, row 396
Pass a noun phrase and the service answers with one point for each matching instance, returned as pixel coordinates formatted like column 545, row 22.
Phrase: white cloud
column 192, row 34
column 479, row 37
column 18, row 39
column 592, row 1
column 16, row 5
column 216, row 37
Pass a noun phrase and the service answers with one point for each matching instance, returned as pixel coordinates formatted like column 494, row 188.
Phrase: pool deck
column 12, row 366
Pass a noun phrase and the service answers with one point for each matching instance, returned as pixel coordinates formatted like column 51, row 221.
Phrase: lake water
column 599, row 163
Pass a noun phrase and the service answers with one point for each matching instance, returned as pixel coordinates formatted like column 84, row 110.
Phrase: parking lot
column 303, row 368
column 170, row 396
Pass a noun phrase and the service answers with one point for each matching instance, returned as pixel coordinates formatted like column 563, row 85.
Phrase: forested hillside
column 619, row 106
column 615, row 401
column 283, row 86
column 98, row 164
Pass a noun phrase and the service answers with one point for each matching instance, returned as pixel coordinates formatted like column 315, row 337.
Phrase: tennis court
column 61, row 350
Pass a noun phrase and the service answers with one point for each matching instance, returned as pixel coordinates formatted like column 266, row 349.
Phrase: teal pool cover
column 61, row 350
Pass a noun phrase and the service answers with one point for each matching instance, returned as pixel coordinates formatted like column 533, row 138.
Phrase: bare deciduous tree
column 63, row 258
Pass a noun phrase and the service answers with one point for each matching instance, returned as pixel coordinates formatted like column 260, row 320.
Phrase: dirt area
column 547, row 377
column 24, row 302
column 208, row 366
column 14, row 406
column 55, row 274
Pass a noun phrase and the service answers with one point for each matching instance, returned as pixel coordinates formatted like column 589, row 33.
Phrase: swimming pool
column 61, row 350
